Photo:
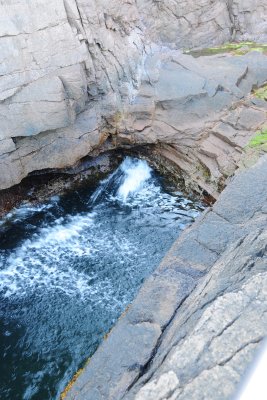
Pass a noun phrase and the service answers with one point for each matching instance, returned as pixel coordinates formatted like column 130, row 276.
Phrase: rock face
column 79, row 75
column 59, row 59
column 199, row 110
column 187, row 336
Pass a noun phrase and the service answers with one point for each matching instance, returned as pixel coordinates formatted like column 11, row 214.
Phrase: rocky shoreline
column 201, row 121
column 197, row 321
column 80, row 80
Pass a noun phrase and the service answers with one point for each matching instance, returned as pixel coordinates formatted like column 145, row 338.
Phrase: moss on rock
column 237, row 48
column 259, row 140
column 261, row 93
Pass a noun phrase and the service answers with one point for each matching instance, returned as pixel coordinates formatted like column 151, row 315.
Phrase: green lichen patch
column 253, row 151
column 237, row 48
column 261, row 93
column 259, row 140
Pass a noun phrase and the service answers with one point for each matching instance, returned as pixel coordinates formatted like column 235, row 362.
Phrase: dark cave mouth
column 40, row 185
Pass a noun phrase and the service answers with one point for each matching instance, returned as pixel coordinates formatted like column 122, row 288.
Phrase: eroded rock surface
column 78, row 75
column 185, row 335
column 200, row 111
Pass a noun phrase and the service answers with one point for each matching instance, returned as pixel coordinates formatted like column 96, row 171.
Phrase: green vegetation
column 239, row 49
column 256, row 146
column 259, row 140
column 261, row 93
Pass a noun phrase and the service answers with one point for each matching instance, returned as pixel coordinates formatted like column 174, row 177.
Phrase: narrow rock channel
column 116, row 281
column 69, row 267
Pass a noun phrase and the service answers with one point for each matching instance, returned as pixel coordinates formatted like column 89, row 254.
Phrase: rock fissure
column 146, row 367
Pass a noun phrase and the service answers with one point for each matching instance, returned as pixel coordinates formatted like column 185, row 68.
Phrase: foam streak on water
column 69, row 268
column 41, row 261
column 47, row 258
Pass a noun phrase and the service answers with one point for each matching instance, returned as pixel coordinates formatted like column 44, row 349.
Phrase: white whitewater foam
column 127, row 180
column 57, row 256
column 26, row 210
column 43, row 260
column 136, row 174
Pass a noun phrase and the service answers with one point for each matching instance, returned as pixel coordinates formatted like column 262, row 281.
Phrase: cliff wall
column 78, row 77
column 75, row 73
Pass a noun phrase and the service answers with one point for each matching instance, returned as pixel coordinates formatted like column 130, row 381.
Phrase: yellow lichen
column 117, row 117
column 105, row 337
column 63, row 395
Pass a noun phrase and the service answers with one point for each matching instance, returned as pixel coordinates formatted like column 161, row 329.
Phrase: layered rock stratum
column 78, row 76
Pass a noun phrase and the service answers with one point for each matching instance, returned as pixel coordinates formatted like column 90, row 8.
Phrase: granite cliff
column 199, row 319
column 78, row 76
